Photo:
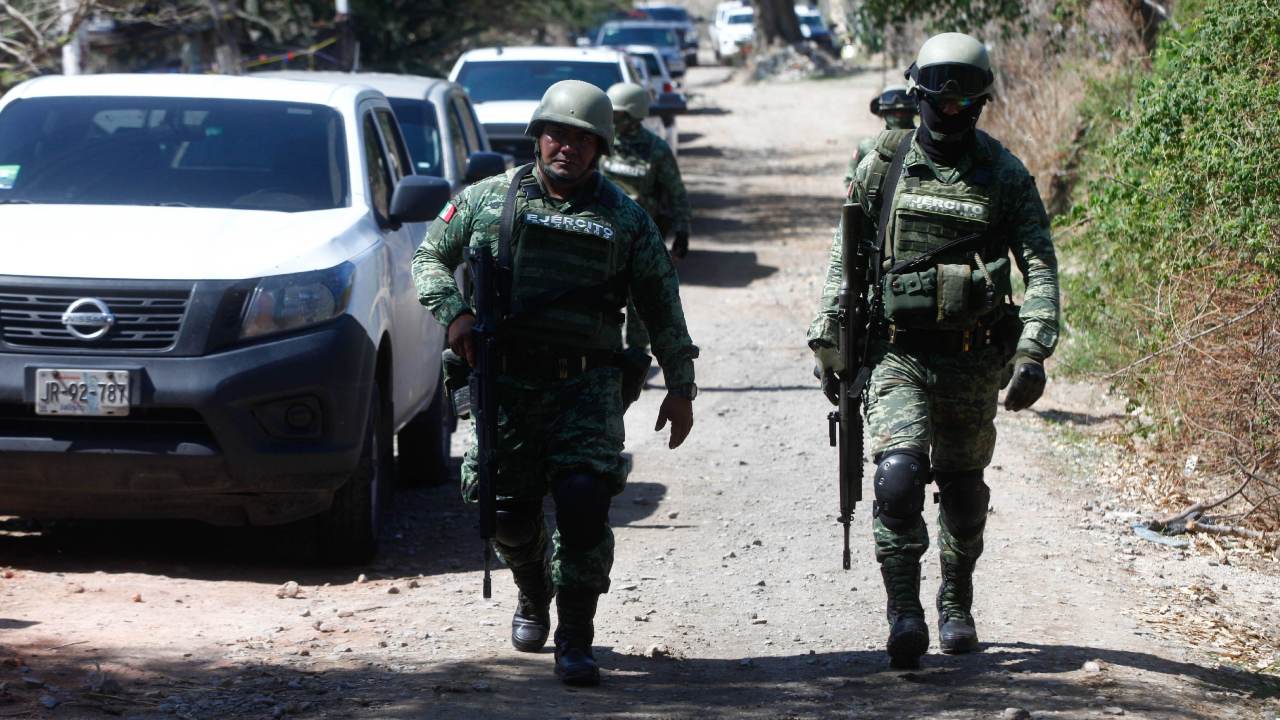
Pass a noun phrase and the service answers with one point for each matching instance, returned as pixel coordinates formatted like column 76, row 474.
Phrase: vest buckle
column 563, row 366
column 966, row 339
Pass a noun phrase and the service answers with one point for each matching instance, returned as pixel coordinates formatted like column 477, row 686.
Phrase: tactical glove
column 680, row 247
column 830, row 365
column 1026, row 384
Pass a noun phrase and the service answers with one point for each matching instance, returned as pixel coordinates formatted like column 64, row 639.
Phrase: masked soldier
column 946, row 204
column 898, row 109
column 643, row 165
column 579, row 240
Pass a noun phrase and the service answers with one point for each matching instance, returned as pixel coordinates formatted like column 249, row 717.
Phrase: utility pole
column 72, row 51
column 348, row 49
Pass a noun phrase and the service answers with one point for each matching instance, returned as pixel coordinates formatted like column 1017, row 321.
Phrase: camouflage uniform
column 643, row 166
column 934, row 402
column 549, row 427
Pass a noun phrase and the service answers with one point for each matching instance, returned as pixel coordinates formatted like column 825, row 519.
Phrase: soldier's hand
column 830, row 366
column 680, row 246
column 679, row 411
column 460, row 339
column 1027, row 384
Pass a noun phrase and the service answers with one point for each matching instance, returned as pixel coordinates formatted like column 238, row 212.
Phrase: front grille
column 146, row 319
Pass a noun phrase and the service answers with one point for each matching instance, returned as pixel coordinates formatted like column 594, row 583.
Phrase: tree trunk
column 227, row 52
column 776, row 23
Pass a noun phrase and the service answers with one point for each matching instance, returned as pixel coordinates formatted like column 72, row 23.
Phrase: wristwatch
column 688, row 391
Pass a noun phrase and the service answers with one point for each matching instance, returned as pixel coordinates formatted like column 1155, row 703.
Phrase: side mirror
column 419, row 198
column 481, row 165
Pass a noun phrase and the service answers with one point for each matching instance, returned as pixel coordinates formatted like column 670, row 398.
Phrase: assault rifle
column 861, row 270
column 483, row 385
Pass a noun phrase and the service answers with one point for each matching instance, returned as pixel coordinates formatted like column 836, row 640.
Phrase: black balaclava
column 946, row 138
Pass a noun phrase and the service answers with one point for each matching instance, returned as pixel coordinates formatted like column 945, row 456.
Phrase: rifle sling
column 887, row 192
column 917, row 261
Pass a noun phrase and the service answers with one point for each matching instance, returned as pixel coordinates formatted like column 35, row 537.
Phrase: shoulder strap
column 507, row 225
column 889, row 189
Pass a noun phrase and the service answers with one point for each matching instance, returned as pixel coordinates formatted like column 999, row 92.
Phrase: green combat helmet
column 576, row 104
column 893, row 98
column 954, row 65
column 631, row 99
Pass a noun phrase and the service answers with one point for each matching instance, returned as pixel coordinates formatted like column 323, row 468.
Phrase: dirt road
column 728, row 597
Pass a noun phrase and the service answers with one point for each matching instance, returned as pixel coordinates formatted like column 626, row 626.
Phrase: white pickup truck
column 206, row 309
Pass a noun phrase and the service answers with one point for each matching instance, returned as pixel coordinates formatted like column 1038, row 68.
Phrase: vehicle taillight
column 667, row 87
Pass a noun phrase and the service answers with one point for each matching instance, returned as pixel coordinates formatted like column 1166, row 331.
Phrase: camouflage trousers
column 942, row 406
column 547, row 429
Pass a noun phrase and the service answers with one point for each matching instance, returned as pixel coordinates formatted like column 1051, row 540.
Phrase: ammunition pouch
column 946, row 296
column 635, row 364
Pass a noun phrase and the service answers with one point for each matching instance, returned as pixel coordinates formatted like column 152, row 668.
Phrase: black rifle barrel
column 484, row 397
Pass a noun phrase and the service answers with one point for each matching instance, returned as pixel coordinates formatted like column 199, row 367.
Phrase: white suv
column 506, row 85
column 210, row 314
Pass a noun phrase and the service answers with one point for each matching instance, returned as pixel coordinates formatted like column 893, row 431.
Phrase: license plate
column 82, row 392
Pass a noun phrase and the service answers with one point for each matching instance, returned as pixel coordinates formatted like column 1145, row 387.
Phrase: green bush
column 1172, row 252
column 1181, row 179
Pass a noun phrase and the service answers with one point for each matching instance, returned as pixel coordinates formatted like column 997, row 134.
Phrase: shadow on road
column 1045, row 679
column 430, row 531
column 1076, row 418
column 723, row 268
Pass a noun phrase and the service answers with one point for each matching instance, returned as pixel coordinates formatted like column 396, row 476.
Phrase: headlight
column 288, row 302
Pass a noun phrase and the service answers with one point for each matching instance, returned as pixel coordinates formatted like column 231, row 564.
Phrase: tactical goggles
column 951, row 79
column 896, row 98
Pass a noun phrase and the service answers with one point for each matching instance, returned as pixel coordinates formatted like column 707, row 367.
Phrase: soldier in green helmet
column 643, row 165
column 946, row 205
column 579, row 240
column 898, row 109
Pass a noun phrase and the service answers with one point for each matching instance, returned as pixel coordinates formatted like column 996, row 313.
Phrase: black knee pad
column 899, row 483
column 964, row 498
column 582, row 509
column 517, row 523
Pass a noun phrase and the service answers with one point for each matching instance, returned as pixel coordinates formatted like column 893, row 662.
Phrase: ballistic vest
column 629, row 165
column 927, row 215
column 567, row 272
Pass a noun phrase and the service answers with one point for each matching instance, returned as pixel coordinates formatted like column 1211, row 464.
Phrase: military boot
column 908, row 632
column 531, row 623
column 956, row 631
column 575, row 663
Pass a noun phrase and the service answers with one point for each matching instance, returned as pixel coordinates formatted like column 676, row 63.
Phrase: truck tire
column 349, row 529
column 423, row 444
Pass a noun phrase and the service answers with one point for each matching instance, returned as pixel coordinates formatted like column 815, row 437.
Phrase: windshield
column 667, row 14
column 250, row 154
column 651, row 63
column 417, row 120
column 813, row 21
column 631, row 35
column 489, row 81
column 745, row 18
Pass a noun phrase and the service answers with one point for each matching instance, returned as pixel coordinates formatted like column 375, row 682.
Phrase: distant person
column 642, row 164
column 578, row 249
column 898, row 108
column 945, row 336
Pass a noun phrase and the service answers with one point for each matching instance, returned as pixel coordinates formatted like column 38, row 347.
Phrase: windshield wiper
column 15, row 201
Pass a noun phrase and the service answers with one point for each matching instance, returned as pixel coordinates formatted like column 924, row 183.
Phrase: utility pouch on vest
column 909, row 298
column 456, row 376
column 635, row 364
column 953, row 295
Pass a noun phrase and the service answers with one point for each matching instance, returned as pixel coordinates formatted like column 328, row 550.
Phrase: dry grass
column 1041, row 80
